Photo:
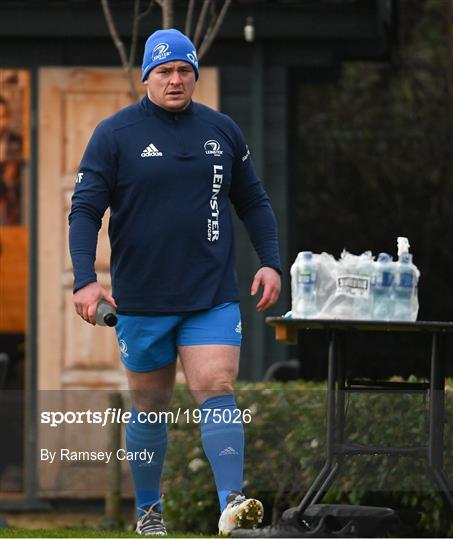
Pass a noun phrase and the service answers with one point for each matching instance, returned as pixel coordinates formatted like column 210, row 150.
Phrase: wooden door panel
column 72, row 103
column 81, row 110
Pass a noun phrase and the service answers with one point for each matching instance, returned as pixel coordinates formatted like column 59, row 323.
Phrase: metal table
column 286, row 331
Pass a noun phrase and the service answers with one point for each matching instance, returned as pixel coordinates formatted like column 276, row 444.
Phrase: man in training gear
column 169, row 168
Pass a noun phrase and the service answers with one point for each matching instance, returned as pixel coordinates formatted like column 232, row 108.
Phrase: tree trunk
column 167, row 13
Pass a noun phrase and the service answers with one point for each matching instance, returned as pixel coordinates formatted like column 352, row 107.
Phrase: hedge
column 285, row 451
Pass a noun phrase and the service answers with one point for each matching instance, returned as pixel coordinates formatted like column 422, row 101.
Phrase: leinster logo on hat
column 160, row 52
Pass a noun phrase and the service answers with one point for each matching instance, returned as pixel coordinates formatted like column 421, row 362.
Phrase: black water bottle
column 106, row 314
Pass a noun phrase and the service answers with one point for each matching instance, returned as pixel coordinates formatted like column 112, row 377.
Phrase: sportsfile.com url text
column 118, row 416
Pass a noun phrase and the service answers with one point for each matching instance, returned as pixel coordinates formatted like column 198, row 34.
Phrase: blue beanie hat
column 165, row 46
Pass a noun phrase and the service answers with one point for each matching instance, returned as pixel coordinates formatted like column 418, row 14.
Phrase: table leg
column 328, row 481
column 330, row 469
column 437, row 417
column 341, row 392
column 338, row 418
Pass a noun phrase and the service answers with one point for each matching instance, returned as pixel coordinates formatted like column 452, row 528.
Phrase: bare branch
column 200, row 23
column 213, row 10
column 209, row 37
column 167, row 13
column 189, row 17
column 120, row 46
column 135, row 25
column 135, row 28
column 113, row 32
column 147, row 10
column 212, row 20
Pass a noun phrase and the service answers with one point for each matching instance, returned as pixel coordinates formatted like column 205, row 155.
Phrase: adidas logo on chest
column 151, row 151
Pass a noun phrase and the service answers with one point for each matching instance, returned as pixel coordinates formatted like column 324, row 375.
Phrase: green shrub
column 285, row 444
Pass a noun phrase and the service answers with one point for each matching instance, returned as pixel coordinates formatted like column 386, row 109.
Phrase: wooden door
column 71, row 353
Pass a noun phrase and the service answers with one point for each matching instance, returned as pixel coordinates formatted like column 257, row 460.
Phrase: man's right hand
column 87, row 298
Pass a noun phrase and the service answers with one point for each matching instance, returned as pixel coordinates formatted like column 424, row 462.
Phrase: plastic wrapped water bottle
column 406, row 280
column 106, row 314
column 383, row 294
column 361, row 308
column 303, row 285
column 405, row 288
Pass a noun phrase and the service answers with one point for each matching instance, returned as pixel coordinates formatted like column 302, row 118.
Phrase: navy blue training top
column 168, row 179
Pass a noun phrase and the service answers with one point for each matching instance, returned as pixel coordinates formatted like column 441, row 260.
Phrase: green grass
column 64, row 532
column 77, row 532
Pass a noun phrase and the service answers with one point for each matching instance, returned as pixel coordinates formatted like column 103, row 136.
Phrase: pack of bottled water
column 355, row 286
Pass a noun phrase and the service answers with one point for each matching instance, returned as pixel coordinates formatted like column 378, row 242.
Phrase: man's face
column 4, row 117
column 171, row 85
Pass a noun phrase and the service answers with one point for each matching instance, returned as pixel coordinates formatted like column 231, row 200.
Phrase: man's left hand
column 270, row 280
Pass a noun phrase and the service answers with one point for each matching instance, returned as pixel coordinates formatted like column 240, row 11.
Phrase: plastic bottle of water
column 405, row 283
column 361, row 308
column 383, row 293
column 105, row 314
column 303, row 285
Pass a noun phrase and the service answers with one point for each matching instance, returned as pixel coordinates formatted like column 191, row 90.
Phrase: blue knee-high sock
column 153, row 438
column 223, row 443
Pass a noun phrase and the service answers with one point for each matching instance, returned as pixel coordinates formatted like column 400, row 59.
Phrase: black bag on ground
column 325, row 527
column 365, row 521
column 329, row 521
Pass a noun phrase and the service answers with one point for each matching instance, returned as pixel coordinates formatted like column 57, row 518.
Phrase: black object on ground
column 368, row 521
column 327, row 527
column 329, row 521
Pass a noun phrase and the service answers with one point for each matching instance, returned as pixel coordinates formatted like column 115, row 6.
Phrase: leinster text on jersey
column 213, row 222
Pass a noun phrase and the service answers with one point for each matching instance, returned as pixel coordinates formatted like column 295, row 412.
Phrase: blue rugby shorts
column 150, row 342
